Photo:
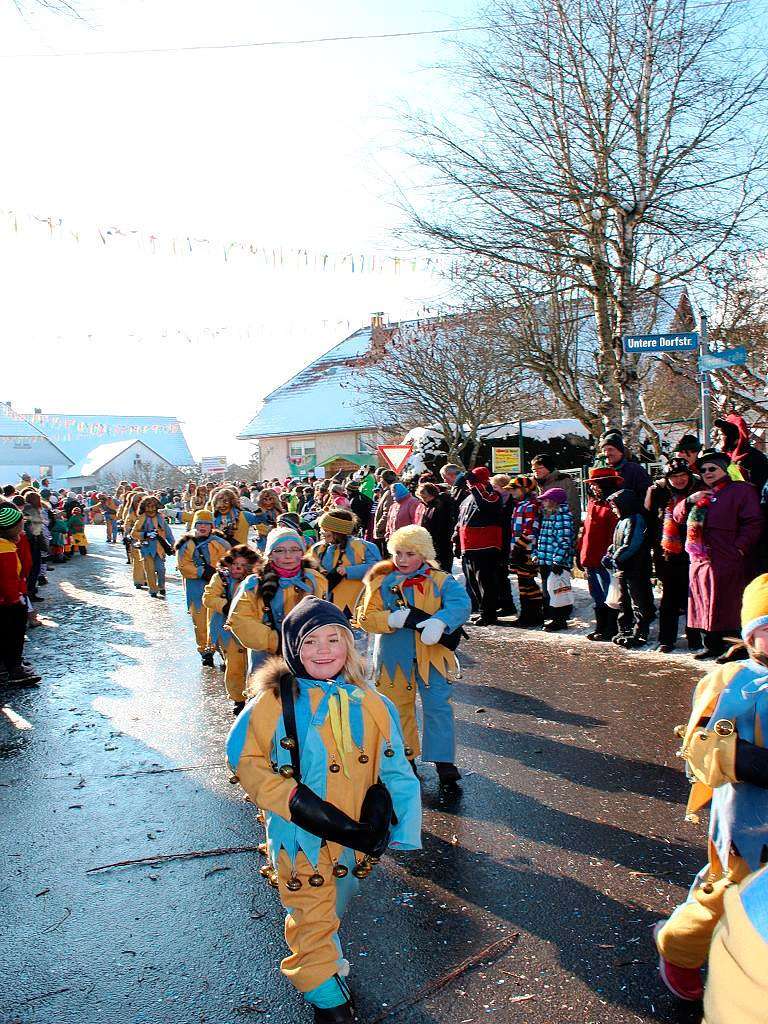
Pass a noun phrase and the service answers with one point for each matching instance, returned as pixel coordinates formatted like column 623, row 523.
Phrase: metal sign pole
column 706, row 419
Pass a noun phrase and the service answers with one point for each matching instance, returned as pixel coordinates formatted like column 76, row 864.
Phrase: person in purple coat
column 722, row 524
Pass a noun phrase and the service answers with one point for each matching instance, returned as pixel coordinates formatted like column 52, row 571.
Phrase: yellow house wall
column 274, row 450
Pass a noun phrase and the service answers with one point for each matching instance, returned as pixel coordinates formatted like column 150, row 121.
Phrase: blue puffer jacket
column 555, row 544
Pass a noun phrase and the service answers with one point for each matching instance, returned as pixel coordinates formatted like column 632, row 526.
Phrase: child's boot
column 207, row 658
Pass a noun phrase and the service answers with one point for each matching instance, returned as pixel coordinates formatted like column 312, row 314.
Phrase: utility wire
column 248, row 45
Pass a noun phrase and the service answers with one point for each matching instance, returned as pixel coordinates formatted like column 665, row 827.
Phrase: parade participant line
column 492, row 952
column 165, row 857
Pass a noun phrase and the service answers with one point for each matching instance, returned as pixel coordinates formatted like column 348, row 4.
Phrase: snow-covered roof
column 540, row 430
column 320, row 398
column 100, row 456
column 78, row 434
column 13, row 427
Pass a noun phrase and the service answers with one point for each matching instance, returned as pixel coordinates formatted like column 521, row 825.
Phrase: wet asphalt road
column 568, row 843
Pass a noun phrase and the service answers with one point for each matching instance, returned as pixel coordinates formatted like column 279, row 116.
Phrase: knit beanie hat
column 280, row 536
column 614, row 438
column 335, row 521
column 400, row 491
column 308, row 615
column 604, row 474
column 413, row 538
column 525, row 483
column 556, row 494
column 202, row 516
column 713, row 455
column 689, row 443
column 480, row 474
column 675, row 466
column 754, row 606
column 9, row 516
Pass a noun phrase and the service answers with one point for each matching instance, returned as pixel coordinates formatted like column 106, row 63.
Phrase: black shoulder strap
column 289, row 719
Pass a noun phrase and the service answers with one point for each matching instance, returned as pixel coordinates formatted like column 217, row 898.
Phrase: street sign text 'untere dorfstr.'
column 395, row 455
column 682, row 341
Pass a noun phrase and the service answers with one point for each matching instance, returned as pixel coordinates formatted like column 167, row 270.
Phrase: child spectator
column 629, row 556
column 554, row 551
column 13, row 604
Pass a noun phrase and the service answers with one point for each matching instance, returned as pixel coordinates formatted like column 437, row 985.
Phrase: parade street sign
column 395, row 455
column 736, row 356
column 213, row 464
column 683, row 341
column 505, row 460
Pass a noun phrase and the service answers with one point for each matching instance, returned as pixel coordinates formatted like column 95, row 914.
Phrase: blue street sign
column 736, row 356
column 683, row 341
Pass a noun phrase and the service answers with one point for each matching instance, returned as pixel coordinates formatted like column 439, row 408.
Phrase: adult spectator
column 384, row 504
column 367, row 483
column 547, row 476
column 449, row 473
column 732, row 437
column 402, row 511
column 688, row 448
column 437, row 515
column 502, row 484
column 723, row 523
column 594, row 539
column 670, row 559
column 635, row 476
column 478, row 538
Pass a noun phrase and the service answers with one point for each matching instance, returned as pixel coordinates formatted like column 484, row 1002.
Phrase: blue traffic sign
column 683, row 341
column 726, row 357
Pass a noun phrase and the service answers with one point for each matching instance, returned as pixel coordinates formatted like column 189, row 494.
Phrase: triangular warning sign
column 395, row 455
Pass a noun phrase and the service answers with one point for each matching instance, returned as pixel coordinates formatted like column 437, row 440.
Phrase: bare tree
column 449, row 372
column 619, row 142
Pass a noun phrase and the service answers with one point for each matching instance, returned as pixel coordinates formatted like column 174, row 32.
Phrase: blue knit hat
column 400, row 491
column 280, row 535
column 308, row 615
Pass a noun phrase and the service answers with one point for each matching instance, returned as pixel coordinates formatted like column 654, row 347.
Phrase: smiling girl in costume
column 152, row 534
column 323, row 754
column 412, row 606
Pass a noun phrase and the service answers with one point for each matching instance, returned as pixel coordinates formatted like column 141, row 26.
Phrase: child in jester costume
column 416, row 611
column 198, row 553
column 322, row 753
column 228, row 518
column 725, row 746
column 152, row 535
column 237, row 563
column 344, row 559
column 267, row 595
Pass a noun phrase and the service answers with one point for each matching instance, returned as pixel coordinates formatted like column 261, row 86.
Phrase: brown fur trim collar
column 190, row 536
column 266, row 678
column 378, row 571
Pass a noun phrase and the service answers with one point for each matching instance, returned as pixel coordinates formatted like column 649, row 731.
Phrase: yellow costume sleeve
column 138, row 526
column 372, row 616
column 185, row 561
column 266, row 788
column 245, row 621
column 213, row 595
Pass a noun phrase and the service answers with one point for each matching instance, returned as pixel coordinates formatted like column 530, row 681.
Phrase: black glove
column 208, row 572
column 334, row 578
column 377, row 812
column 415, row 616
column 752, row 764
column 323, row 819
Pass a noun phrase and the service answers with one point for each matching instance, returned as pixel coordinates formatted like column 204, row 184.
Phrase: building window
column 22, row 444
column 366, row 444
column 302, row 453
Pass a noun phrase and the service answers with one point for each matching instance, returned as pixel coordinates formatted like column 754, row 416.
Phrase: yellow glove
column 711, row 754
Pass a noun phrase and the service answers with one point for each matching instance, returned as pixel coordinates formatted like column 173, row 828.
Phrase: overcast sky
column 285, row 146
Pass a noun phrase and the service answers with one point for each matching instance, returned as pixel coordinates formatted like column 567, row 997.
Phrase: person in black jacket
column 437, row 514
column 478, row 539
column 629, row 557
column 360, row 504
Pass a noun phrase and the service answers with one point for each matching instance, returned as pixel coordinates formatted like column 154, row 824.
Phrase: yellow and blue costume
column 349, row 738
column 265, row 520
column 357, row 557
column 261, row 603
column 403, row 663
column 197, row 558
column 217, row 598
column 734, row 697
column 145, row 533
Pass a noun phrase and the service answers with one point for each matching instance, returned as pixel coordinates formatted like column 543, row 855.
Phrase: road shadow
column 515, row 703
column 596, row 769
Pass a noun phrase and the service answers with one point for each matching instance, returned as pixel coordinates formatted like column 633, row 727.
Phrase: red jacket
column 13, row 584
column 597, row 533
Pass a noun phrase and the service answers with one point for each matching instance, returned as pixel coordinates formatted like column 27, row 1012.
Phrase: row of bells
column 286, row 770
column 361, row 870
